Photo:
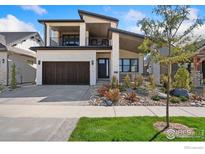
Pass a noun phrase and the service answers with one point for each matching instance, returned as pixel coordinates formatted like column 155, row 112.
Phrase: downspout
column 7, row 73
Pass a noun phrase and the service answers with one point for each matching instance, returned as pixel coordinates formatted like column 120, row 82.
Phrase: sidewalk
column 62, row 111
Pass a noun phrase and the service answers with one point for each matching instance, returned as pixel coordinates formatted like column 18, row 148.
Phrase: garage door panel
column 61, row 73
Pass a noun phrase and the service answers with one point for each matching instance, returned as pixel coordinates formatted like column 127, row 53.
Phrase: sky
column 24, row 18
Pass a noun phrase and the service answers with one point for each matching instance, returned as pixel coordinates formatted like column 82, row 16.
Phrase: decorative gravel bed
column 143, row 100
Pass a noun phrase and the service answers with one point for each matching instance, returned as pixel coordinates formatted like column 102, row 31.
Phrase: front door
column 203, row 69
column 103, row 68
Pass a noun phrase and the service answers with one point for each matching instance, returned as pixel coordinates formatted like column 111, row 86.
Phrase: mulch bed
column 175, row 130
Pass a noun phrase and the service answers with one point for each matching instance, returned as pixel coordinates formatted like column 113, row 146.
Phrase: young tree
column 13, row 76
column 166, row 30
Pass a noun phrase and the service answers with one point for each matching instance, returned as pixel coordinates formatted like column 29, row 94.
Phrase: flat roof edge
column 72, row 48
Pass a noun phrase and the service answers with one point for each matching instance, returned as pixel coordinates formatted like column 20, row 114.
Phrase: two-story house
column 85, row 50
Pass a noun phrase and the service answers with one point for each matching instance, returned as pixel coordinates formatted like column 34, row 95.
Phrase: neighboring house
column 14, row 48
column 86, row 50
column 158, row 69
column 198, row 63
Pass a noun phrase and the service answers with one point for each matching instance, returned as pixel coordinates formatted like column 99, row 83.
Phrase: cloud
column 192, row 18
column 193, row 13
column 13, row 24
column 134, row 15
column 35, row 8
column 107, row 8
column 135, row 29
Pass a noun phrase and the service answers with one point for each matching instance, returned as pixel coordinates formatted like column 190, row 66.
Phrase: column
column 115, row 55
column 82, row 34
column 48, row 35
column 141, row 64
column 156, row 72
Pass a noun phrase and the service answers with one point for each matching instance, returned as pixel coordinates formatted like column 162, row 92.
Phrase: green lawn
column 130, row 129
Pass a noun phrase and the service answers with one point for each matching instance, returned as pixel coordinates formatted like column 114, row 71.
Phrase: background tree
column 166, row 30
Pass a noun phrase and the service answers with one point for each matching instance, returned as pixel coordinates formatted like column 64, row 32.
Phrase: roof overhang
column 43, row 21
column 128, row 40
column 82, row 12
column 72, row 48
column 120, row 31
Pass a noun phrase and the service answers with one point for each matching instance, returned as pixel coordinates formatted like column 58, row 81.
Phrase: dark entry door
column 103, row 68
column 66, row 73
column 203, row 69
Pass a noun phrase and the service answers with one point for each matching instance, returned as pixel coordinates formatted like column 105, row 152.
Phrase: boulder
column 162, row 95
column 203, row 103
column 108, row 102
column 179, row 92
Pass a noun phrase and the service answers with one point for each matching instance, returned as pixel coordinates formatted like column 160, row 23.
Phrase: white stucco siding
column 3, row 67
column 66, row 56
column 25, row 71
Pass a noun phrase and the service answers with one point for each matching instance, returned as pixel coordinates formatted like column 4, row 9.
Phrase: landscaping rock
column 108, row 102
column 193, row 104
column 162, row 95
column 180, row 92
column 203, row 103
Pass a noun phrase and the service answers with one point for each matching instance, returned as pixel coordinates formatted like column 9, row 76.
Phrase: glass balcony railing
column 74, row 41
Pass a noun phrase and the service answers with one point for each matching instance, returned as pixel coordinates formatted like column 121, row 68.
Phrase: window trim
column 130, row 66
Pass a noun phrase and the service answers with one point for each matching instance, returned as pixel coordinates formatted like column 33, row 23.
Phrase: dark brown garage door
column 66, row 73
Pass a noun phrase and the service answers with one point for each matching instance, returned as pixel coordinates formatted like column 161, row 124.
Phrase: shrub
column 131, row 97
column 183, row 98
column 1, row 87
column 182, row 78
column 164, row 80
column 114, row 82
column 155, row 98
column 138, row 80
column 127, row 81
column 151, row 82
column 113, row 95
column 101, row 91
column 13, row 76
column 142, row 91
column 174, row 100
column 121, row 87
column 203, row 81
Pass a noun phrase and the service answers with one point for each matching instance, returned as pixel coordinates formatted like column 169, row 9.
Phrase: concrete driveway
column 36, row 129
column 49, row 94
column 39, row 127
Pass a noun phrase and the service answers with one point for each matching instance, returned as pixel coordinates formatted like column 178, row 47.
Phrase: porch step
column 101, row 82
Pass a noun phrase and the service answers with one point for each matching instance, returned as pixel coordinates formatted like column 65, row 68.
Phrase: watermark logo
column 170, row 134
column 181, row 133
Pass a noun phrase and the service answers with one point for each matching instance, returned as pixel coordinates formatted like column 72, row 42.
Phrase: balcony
column 74, row 41
column 59, row 41
column 96, row 41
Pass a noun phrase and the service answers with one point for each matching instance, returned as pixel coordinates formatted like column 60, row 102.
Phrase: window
column 70, row 40
column 128, row 65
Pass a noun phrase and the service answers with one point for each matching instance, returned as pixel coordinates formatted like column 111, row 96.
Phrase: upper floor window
column 70, row 40
column 129, row 65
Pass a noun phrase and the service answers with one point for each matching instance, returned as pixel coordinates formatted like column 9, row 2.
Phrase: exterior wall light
column 39, row 62
column 92, row 62
column 3, row 61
